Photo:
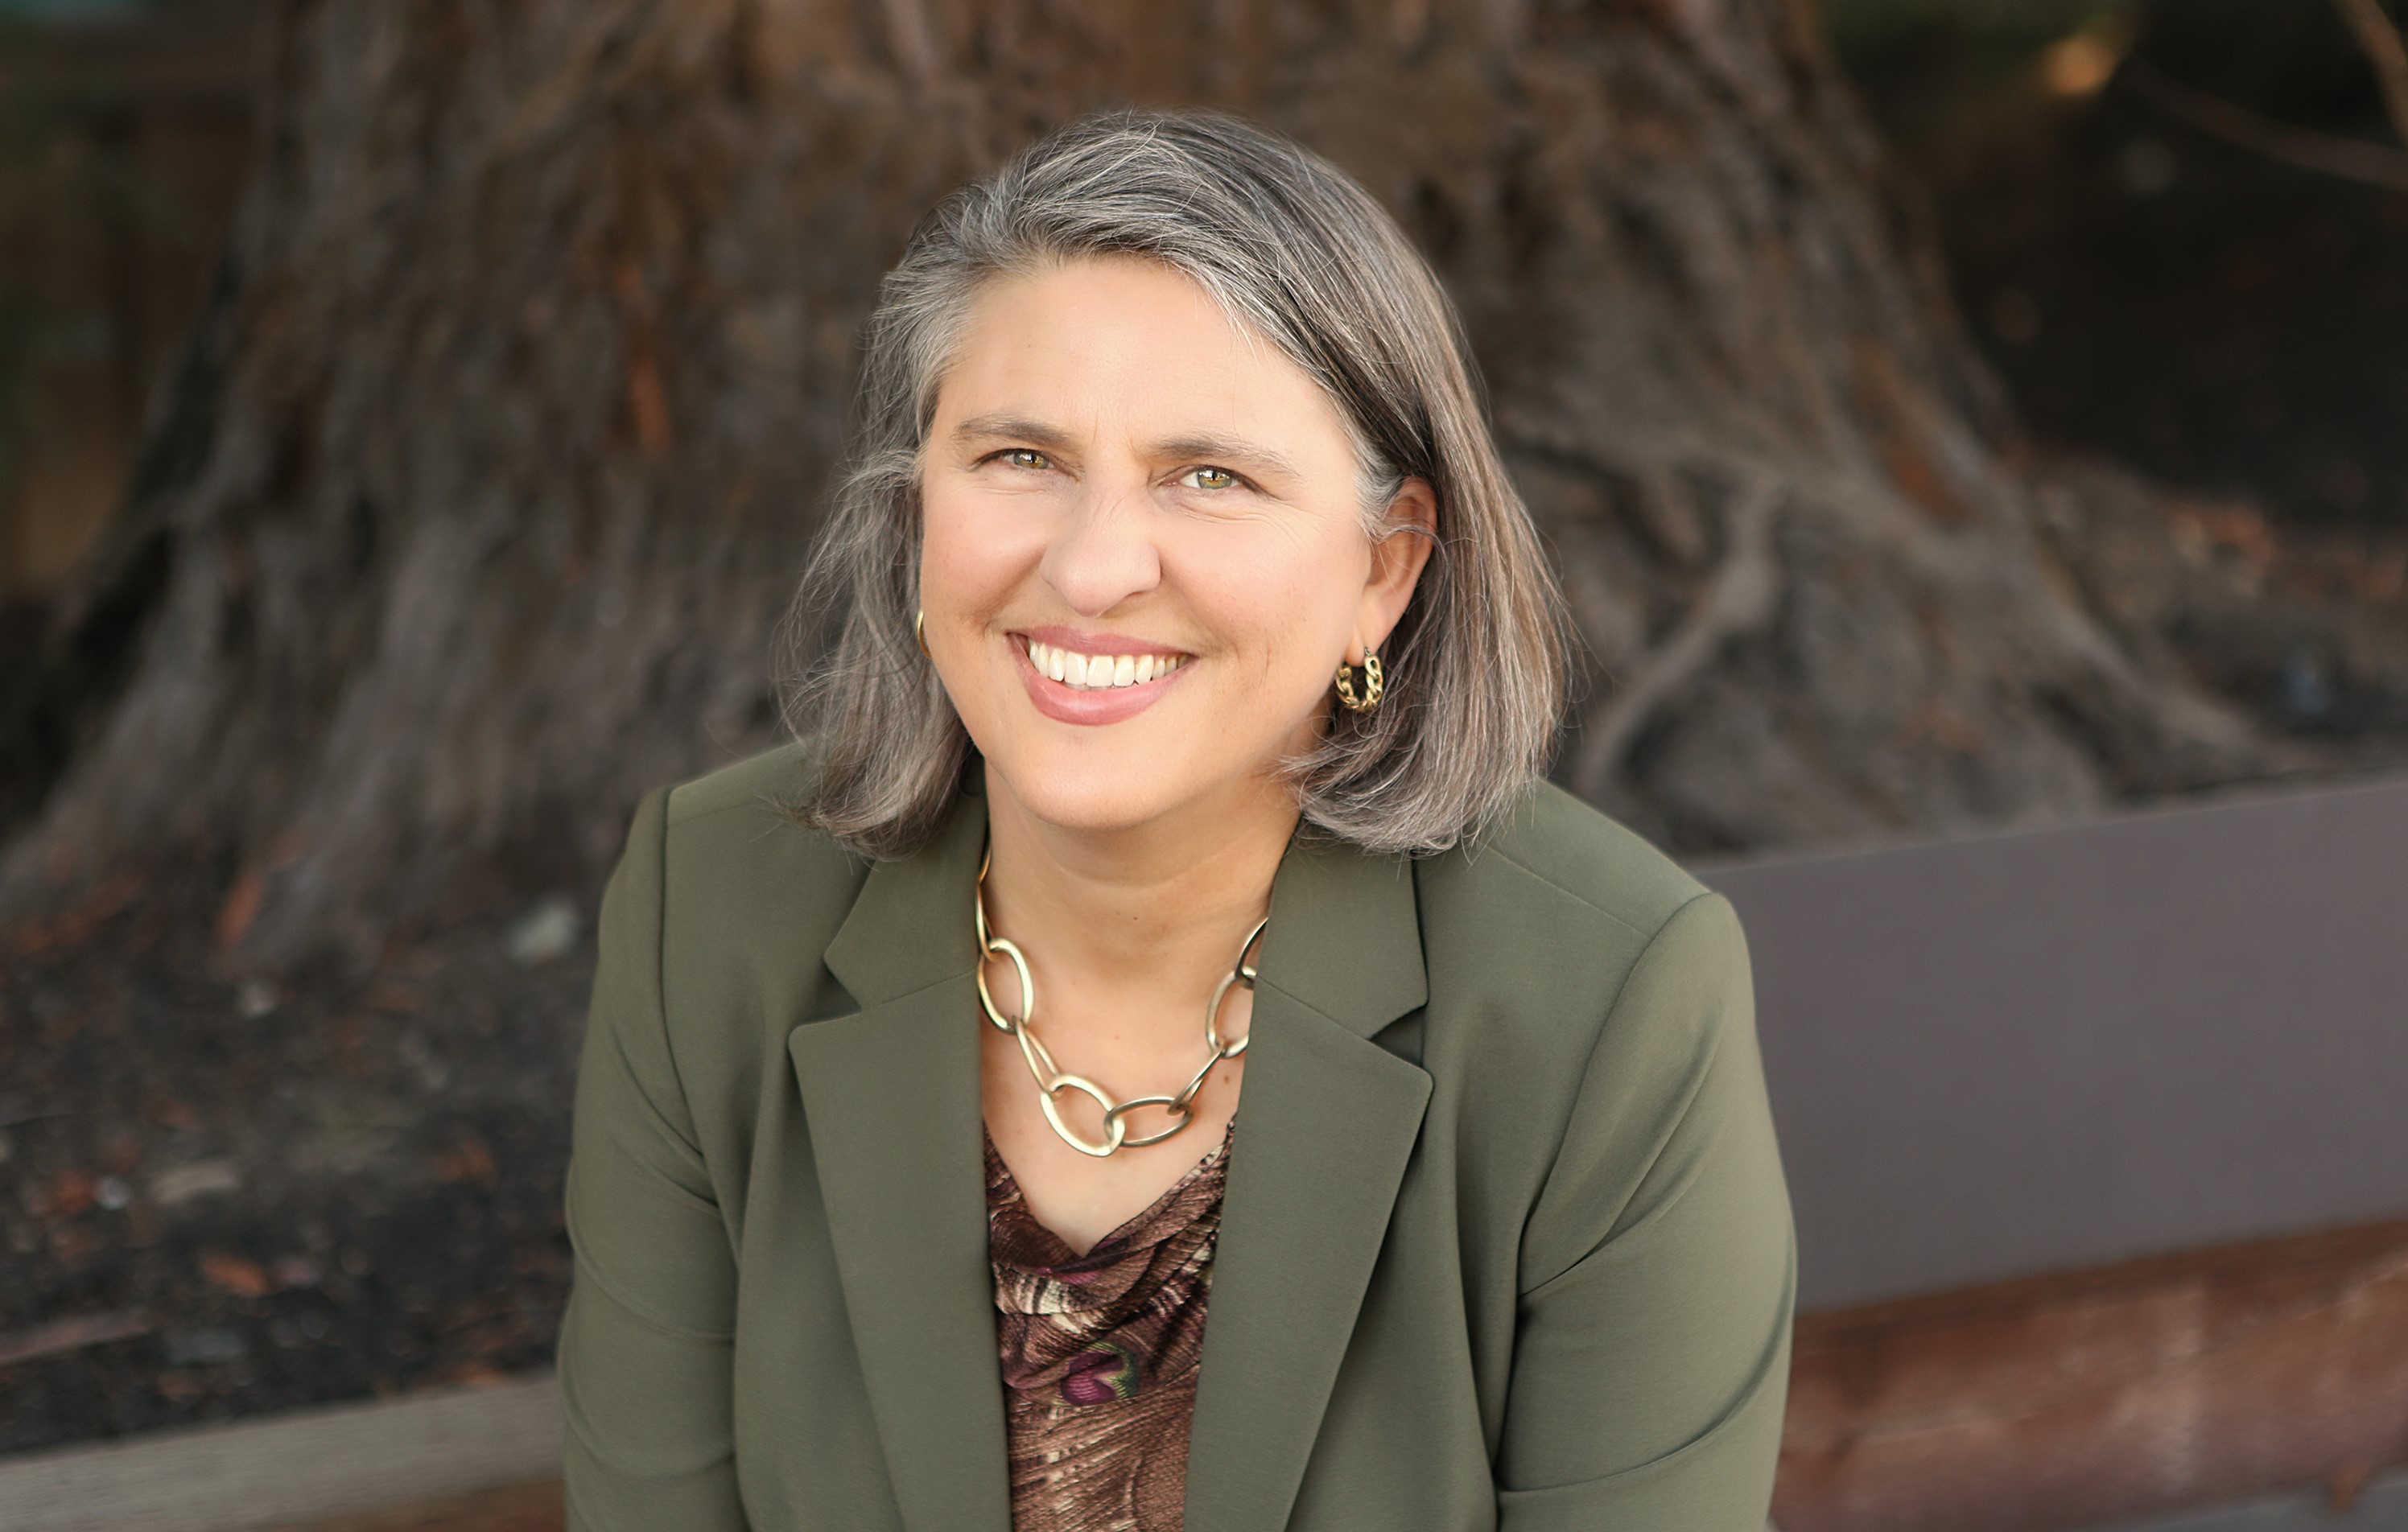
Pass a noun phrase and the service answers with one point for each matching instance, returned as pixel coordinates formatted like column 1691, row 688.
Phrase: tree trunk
column 494, row 461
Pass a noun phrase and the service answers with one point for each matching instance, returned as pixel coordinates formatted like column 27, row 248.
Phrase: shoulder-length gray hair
column 1294, row 248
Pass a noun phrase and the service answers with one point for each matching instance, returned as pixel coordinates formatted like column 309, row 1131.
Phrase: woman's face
column 1145, row 554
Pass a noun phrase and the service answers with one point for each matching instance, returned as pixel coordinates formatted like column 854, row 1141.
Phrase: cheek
column 1290, row 602
column 969, row 561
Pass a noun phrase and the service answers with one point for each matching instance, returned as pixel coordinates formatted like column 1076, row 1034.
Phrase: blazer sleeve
column 1652, row 1350
column 645, row 1345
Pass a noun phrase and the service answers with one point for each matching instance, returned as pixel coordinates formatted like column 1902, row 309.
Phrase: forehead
column 1125, row 341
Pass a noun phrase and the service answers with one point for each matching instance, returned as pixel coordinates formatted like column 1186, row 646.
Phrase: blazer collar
column 910, row 925
column 891, row 1099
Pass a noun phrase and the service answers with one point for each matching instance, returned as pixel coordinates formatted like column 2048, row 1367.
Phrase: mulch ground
column 222, row 1196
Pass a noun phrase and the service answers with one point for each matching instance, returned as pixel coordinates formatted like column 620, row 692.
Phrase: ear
column 1409, row 531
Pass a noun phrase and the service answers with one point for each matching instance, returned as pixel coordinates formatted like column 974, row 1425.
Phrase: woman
column 1177, row 764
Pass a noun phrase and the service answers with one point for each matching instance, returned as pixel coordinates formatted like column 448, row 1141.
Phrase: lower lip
column 1066, row 704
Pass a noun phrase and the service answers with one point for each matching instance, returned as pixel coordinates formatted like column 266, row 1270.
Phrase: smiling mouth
column 1099, row 672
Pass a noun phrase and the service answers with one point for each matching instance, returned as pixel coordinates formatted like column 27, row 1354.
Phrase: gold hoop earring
column 1373, row 684
column 920, row 632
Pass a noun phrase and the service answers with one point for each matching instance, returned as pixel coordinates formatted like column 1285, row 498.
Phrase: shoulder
column 735, row 896
column 724, row 906
column 773, row 781
column 1582, row 989
column 1558, row 884
column 736, row 851
column 1561, row 934
column 1556, row 858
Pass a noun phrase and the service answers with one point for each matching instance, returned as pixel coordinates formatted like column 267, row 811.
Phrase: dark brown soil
column 271, row 1194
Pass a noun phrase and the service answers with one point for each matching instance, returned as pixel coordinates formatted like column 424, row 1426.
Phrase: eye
column 1025, row 457
column 1210, row 478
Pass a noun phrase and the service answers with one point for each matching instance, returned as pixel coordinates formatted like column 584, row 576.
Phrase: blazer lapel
column 1330, row 1120
column 891, row 1098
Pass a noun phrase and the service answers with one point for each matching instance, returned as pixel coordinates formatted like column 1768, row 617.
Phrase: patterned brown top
column 1100, row 1353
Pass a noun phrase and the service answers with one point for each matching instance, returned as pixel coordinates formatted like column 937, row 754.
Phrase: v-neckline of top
column 1126, row 1228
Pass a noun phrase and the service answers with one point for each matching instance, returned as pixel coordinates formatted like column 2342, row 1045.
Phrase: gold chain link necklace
column 1051, row 1079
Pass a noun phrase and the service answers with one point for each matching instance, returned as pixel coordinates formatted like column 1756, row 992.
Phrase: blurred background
column 1971, row 433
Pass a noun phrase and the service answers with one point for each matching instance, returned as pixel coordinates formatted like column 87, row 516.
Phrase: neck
column 1160, row 905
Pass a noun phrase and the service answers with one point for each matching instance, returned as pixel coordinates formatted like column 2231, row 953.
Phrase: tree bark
column 494, row 461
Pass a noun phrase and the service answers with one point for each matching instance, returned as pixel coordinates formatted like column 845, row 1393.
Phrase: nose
column 1104, row 551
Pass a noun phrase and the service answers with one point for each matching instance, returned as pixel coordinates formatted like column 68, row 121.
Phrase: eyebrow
column 1015, row 427
column 1235, row 450
column 1203, row 449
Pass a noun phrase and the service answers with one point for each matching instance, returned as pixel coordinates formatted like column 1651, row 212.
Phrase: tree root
column 1740, row 597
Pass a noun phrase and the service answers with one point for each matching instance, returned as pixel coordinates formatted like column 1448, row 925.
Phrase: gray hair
column 1297, row 251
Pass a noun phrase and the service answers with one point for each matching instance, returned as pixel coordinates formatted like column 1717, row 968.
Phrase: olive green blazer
column 1505, row 1242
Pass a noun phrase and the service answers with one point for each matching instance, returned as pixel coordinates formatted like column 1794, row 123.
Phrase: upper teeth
column 1091, row 671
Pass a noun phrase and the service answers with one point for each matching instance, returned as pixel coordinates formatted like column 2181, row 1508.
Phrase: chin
column 1129, row 775
column 1088, row 796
